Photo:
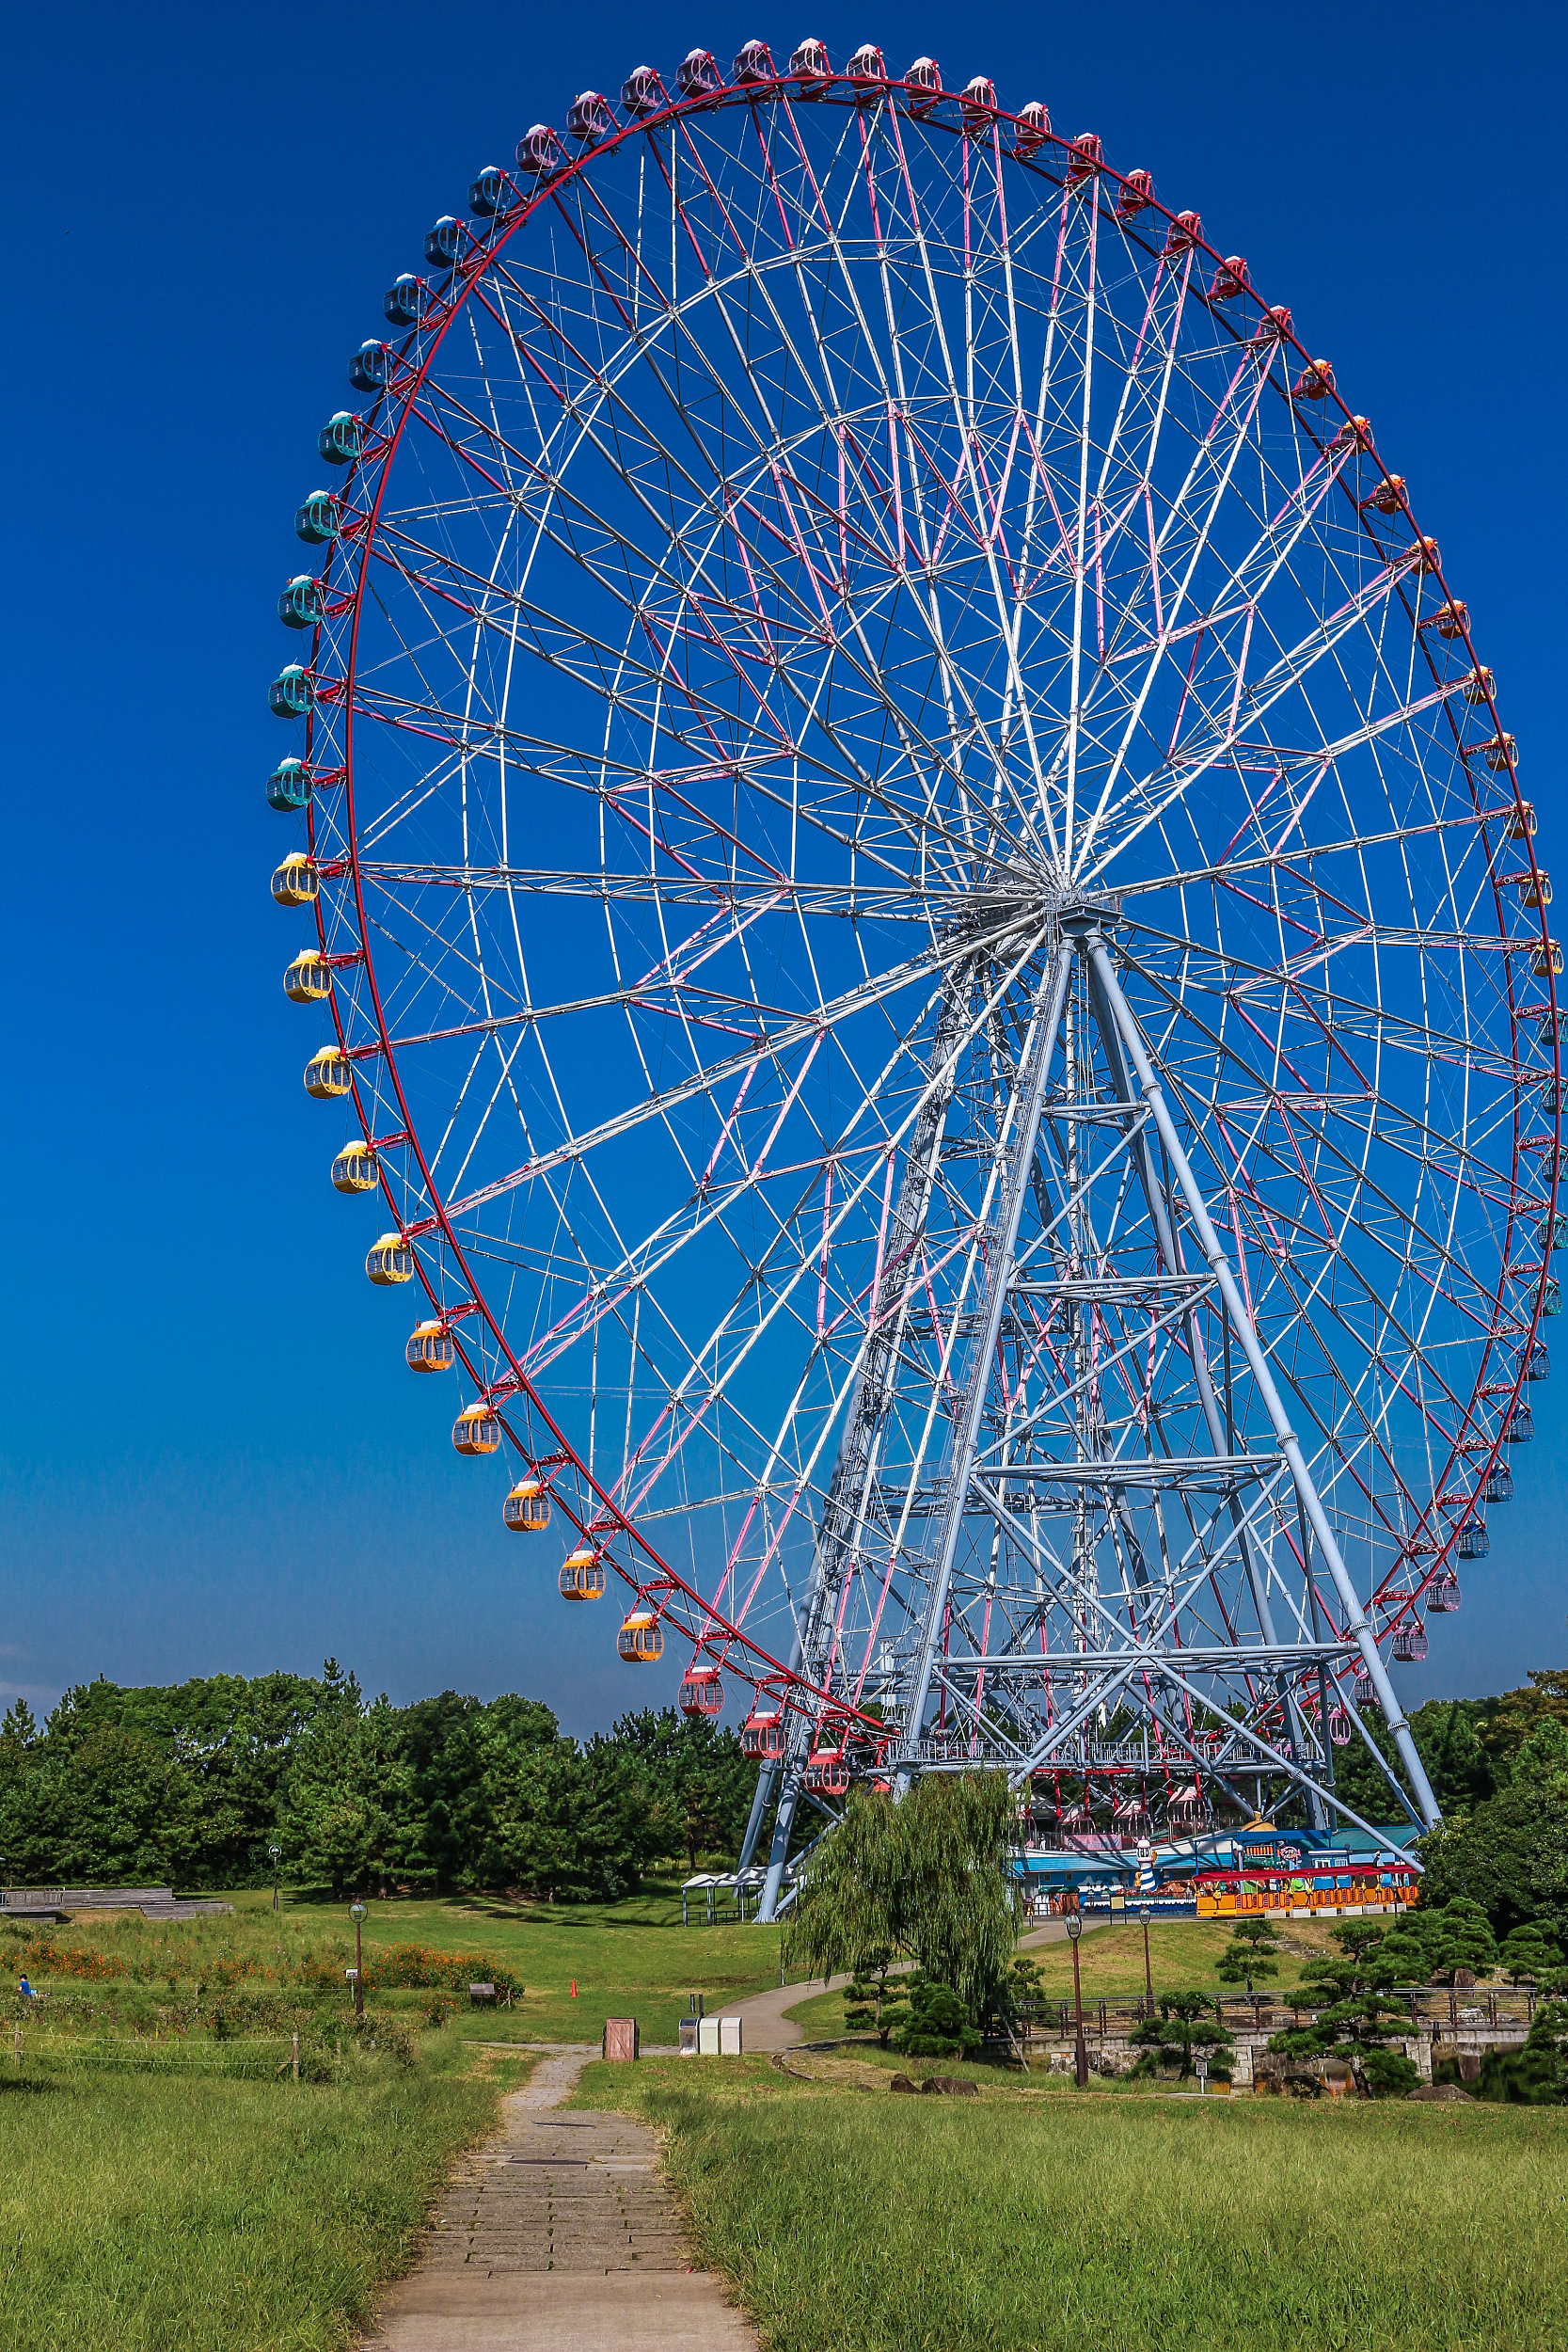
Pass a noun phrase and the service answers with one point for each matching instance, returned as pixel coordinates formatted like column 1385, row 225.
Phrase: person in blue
column 26, row 1990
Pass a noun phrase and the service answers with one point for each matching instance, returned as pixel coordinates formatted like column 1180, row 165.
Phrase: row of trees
column 196, row 1783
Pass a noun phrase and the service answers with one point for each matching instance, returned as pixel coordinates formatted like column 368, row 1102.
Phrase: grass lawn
column 143, row 2210
column 631, row 1959
column 1183, row 1954
column 853, row 2222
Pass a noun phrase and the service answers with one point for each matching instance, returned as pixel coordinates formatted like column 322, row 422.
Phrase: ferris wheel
column 928, row 943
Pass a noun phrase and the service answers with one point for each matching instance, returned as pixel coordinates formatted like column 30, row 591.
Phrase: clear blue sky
column 211, row 1455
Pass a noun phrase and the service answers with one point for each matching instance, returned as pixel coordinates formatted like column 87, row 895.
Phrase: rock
column 1449, row 2092
column 902, row 2082
column 948, row 2085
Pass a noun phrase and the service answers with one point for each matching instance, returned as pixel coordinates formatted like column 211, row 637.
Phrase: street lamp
column 357, row 1912
column 276, row 1852
column 1149, row 1973
column 1081, row 2066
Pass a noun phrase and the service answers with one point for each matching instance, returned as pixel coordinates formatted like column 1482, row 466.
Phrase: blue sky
column 211, row 1456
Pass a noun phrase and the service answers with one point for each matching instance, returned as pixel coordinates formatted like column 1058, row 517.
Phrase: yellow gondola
column 309, row 979
column 297, row 881
column 355, row 1168
column 527, row 1508
column 391, row 1261
column 476, row 1430
column 431, row 1348
column 640, row 1640
column 328, row 1073
column 582, row 1575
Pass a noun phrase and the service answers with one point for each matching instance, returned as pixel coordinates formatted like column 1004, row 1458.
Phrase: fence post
column 18, row 2045
column 297, row 2057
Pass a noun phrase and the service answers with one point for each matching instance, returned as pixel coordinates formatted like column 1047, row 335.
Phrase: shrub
column 419, row 1968
column 1388, row 2073
column 40, row 1956
column 938, row 2025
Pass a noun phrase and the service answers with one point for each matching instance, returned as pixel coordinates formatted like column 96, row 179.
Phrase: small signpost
column 1202, row 2076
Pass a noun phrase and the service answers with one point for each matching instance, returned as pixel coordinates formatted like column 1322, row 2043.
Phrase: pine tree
column 1246, row 1955
column 875, row 2000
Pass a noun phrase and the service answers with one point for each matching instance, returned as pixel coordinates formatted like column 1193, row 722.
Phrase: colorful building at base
column 1258, row 1869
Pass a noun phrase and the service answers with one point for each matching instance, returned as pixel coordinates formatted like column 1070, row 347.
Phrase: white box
column 729, row 2037
column 707, row 2037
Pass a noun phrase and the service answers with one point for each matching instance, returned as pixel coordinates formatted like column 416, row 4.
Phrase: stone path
column 559, row 2233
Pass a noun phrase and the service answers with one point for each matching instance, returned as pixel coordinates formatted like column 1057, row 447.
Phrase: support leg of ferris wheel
column 1019, row 1154
column 1220, row 1428
column 855, row 1469
column 1252, row 1348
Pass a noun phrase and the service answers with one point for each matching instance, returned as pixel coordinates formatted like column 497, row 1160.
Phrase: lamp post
column 1149, row 1973
column 1081, row 2065
column 357, row 1912
column 276, row 1851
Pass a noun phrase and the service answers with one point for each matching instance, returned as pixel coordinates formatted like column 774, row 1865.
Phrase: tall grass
column 857, row 2223
column 632, row 1958
column 141, row 2212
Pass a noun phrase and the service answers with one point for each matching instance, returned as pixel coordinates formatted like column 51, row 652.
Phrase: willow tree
column 928, row 1880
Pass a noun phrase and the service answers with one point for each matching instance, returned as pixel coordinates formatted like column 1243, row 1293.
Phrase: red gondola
column 703, row 1691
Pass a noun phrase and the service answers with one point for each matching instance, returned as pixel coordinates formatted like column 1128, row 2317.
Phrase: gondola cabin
column 431, row 1348
column 1187, row 1810
column 289, row 787
column 702, row 1692
column 827, row 1775
column 762, row 1736
column 355, row 1168
column 391, row 1261
column 328, row 1073
column 640, row 1640
column 582, row 1575
column 527, row 1508
column 316, row 522
column 297, row 881
column 476, row 1430
column 309, row 979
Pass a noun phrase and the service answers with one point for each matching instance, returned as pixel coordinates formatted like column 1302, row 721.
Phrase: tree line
column 193, row 1784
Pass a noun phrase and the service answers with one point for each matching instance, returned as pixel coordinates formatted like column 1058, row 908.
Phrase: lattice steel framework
column 936, row 937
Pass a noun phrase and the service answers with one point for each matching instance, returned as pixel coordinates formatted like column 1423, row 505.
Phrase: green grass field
column 1183, row 1956
column 148, row 2208
column 165, row 2182
column 632, row 1958
column 853, row 2222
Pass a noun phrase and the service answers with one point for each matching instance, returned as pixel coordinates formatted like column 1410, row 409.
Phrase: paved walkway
column 769, row 2026
column 560, row 2232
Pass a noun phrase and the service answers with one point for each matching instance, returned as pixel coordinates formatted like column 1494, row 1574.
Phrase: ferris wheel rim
column 754, row 96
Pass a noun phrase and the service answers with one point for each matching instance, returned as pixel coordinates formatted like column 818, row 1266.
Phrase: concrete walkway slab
column 562, row 2233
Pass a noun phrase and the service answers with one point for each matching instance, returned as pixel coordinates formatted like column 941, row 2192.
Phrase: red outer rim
column 717, row 1636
